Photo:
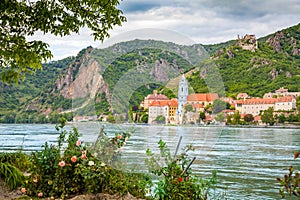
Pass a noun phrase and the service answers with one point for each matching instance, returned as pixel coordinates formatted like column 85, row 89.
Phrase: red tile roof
column 157, row 97
column 265, row 101
column 203, row 97
column 173, row 103
column 162, row 103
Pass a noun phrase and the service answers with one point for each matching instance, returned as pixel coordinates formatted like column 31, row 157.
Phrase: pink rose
column 83, row 156
column 40, row 194
column 74, row 159
column 119, row 136
column 62, row 163
column 78, row 143
column 23, row 190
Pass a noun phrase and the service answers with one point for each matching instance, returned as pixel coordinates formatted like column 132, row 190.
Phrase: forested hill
column 14, row 99
column 87, row 82
column 275, row 63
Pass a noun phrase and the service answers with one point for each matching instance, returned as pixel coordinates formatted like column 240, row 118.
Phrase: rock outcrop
column 162, row 70
column 275, row 41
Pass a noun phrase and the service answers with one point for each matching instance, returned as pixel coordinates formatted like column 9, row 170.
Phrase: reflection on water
column 247, row 160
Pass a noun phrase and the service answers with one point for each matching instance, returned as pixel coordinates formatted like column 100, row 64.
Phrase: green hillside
column 14, row 98
column 272, row 65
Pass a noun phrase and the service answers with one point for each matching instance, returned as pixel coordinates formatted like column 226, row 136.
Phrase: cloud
column 202, row 21
column 140, row 6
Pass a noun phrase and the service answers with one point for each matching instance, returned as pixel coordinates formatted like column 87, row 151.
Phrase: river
column 247, row 160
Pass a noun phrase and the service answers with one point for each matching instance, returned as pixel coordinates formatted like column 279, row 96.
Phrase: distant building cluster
column 254, row 106
column 281, row 92
column 175, row 111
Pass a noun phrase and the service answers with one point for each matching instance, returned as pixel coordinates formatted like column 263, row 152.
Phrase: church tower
column 182, row 97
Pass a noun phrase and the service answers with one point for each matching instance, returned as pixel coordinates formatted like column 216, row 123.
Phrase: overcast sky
column 187, row 21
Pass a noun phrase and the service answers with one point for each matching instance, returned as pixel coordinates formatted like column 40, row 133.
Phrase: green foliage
column 293, row 118
column 160, row 119
column 218, row 106
column 140, row 93
column 236, row 118
column 108, row 150
column 23, row 18
column 268, row 117
column 220, row 117
column 248, row 118
column 11, row 175
column 280, row 118
column 188, row 108
column 212, row 49
column 18, row 100
column 202, row 115
column 177, row 181
column 72, row 168
column 17, row 159
column 290, row 182
column 144, row 118
column 101, row 106
column 111, row 118
column 228, row 119
column 168, row 92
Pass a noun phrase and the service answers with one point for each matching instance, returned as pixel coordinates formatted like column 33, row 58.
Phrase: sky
column 186, row 22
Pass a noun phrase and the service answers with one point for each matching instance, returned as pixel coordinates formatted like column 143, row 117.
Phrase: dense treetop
column 22, row 18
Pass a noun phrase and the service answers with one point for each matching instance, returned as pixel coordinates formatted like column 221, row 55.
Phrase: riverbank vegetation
column 72, row 168
column 290, row 182
column 177, row 181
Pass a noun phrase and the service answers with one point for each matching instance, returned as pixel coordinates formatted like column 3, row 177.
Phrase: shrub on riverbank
column 177, row 181
column 290, row 182
column 11, row 167
column 72, row 168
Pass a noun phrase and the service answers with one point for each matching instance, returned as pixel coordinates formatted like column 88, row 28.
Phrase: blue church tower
column 183, row 92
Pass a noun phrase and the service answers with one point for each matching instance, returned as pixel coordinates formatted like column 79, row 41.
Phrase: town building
column 153, row 97
column 255, row 106
column 173, row 106
column 167, row 109
column 281, row 92
column 157, row 108
column 203, row 99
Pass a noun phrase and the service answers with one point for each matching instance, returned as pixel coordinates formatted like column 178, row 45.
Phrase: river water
column 247, row 160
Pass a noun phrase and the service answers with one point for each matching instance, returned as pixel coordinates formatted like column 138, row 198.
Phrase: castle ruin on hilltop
column 248, row 42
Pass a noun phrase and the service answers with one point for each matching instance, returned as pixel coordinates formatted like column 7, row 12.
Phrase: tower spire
column 182, row 97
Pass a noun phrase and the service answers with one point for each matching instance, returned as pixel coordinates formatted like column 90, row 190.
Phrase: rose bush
column 72, row 168
column 177, row 181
